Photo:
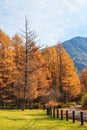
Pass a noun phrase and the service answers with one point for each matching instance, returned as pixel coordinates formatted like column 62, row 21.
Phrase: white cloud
column 81, row 2
column 53, row 20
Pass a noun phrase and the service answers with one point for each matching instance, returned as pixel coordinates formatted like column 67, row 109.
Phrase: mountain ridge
column 77, row 49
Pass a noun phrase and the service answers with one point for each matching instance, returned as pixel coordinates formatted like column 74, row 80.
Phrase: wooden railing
column 67, row 114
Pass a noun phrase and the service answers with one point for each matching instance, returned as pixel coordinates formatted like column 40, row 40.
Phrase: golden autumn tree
column 65, row 82
column 36, row 82
column 38, row 76
column 83, row 79
column 51, row 58
column 19, row 57
column 32, row 76
column 6, row 69
column 68, row 78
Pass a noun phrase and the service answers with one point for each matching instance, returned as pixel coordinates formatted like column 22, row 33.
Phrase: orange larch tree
column 83, row 79
column 69, row 80
column 65, row 82
column 6, row 69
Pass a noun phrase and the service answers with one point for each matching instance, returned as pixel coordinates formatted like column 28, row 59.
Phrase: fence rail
column 67, row 114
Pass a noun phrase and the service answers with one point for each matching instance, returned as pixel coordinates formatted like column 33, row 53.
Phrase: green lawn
column 34, row 120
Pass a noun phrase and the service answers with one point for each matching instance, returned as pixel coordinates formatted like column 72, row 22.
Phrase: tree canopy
column 28, row 73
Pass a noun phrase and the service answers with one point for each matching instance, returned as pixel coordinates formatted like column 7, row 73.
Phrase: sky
column 52, row 21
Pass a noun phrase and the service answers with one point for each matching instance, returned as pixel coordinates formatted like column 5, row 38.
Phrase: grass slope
column 34, row 120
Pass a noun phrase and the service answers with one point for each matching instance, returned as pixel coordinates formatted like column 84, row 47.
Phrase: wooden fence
column 66, row 114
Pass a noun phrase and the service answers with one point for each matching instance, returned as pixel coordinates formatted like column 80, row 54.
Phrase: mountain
column 77, row 49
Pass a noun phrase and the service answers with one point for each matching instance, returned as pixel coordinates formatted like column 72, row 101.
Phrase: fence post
column 73, row 116
column 47, row 111
column 50, row 111
column 66, row 115
column 61, row 114
column 57, row 113
column 81, row 114
column 53, row 111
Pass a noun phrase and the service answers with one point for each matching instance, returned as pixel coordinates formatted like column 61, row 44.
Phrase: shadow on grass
column 35, row 114
column 35, row 117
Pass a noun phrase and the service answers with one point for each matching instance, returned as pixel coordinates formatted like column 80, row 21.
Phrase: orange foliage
column 51, row 104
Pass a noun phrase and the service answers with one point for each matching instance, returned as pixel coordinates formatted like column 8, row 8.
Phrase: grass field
column 34, row 120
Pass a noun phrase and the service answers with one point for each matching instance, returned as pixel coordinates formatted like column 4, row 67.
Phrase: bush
column 84, row 101
column 72, row 103
column 52, row 103
column 66, row 105
column 37, row 106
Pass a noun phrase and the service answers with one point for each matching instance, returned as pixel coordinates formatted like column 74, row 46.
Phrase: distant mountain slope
column 77, row 48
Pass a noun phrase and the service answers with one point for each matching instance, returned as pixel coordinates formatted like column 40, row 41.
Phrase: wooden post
column 53, row 112
column 81, row 114
column 73, row 116
column 61, row 114
column 57, row 113
column 66, row 115
column 47, row 111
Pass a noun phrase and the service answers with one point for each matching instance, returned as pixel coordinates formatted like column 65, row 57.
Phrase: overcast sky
column 52, row 20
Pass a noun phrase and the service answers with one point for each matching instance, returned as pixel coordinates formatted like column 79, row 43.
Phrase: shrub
column 53, row 104
column 66, row 105
column 37, row 106
column 72, row 103
column 84, row 101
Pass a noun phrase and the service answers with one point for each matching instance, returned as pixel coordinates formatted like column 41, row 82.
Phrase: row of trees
column 23, row 75
column 28, row 73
